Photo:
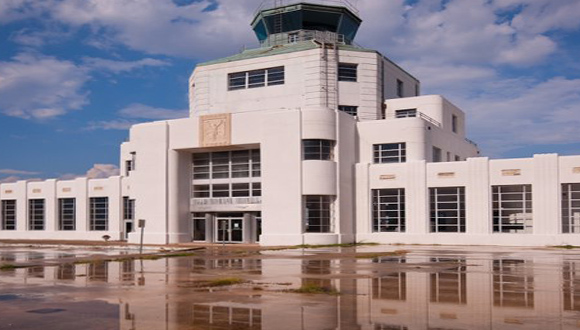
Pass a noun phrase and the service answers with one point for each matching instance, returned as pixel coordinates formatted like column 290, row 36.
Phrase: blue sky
column 75, row 74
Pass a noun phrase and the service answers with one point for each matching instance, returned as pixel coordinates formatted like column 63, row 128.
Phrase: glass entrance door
column 230, row 230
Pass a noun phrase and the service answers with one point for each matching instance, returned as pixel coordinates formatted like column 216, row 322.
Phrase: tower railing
column 303, row 35
column 270, row 4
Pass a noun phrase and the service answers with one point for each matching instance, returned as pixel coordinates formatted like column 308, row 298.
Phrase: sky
column 76, row 74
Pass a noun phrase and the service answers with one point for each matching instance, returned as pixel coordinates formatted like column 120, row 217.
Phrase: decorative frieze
column 511, row 172
column 215, row 130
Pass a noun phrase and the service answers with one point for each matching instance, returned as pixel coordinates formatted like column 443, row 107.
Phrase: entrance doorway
column 128, row 228
column 230, row 229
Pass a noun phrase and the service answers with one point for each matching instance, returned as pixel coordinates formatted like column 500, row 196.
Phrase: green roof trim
column 291, row 48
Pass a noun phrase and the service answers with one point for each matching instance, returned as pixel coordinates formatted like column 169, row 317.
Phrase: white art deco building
column 307, row 139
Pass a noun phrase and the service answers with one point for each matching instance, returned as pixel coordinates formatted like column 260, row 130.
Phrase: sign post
column 141, row 225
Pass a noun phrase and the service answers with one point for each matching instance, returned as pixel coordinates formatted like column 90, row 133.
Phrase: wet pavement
column 367, row 287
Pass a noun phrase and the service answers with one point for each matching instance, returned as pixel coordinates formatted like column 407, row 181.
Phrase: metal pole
column 141, row 245
column 142, row 226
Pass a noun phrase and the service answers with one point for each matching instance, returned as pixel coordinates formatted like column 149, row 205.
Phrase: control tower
column 279, row 22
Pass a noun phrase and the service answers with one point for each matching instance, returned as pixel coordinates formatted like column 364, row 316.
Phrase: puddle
column 423, row 288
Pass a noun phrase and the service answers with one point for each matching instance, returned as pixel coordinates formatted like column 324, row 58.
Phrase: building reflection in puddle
column 412, row 292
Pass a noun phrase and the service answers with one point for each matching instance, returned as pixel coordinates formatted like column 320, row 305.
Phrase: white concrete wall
column 51, row 191
column 477, row 175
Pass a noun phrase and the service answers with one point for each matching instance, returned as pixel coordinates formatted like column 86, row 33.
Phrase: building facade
column 308, row 139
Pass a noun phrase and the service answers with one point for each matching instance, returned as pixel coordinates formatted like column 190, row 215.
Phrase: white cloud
column 116, row 124
column 525, row 113
column 137, row 110
column 101, row 171
column 10, row 179
column 136, row 113
column 16, row 172
column 163, row 27
column 36, row 86
column 121, row 66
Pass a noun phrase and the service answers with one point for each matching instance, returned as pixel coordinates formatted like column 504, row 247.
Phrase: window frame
column 349, row 109
column 400, row 88
column 499, row 213
column 570, row 208
column 318, row 149
column 67, row 214
column 388, row 210
column 9, row 210
column 406, row 113
column 347, row 72
column 99, row 213
column 256, row 78
column 321, row 214
column 447, row 210
column 36, row 214
column 382, row 153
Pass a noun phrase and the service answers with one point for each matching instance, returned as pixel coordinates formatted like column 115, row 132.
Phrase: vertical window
column 256, row 189
column 66, row 214
column 457, row 158
column 390, row 153
column 8, row 215
column 571, row 290
column 447, row 209
column 512, row 209
column 448, row 156
column 437, row 155
column 350, row 109
column 405, row 113
column 400, row 87
column 449, row 285
column 347, row 72
column 36, row 214
column 389, row 210
column 513, row 283
column 314, row 149
column 454, row 123
column 99, row 213
column 416, row 89
column 128, row 167
column 128, row 208
column 256, row 164
column 317, row 212
column 390, row 286
column 571, row 208
column 199, row 227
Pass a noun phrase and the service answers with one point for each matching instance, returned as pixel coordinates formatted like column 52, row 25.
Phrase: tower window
column 347, row 72
column 256, row 78
column 454, row 122
column 400, row 88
